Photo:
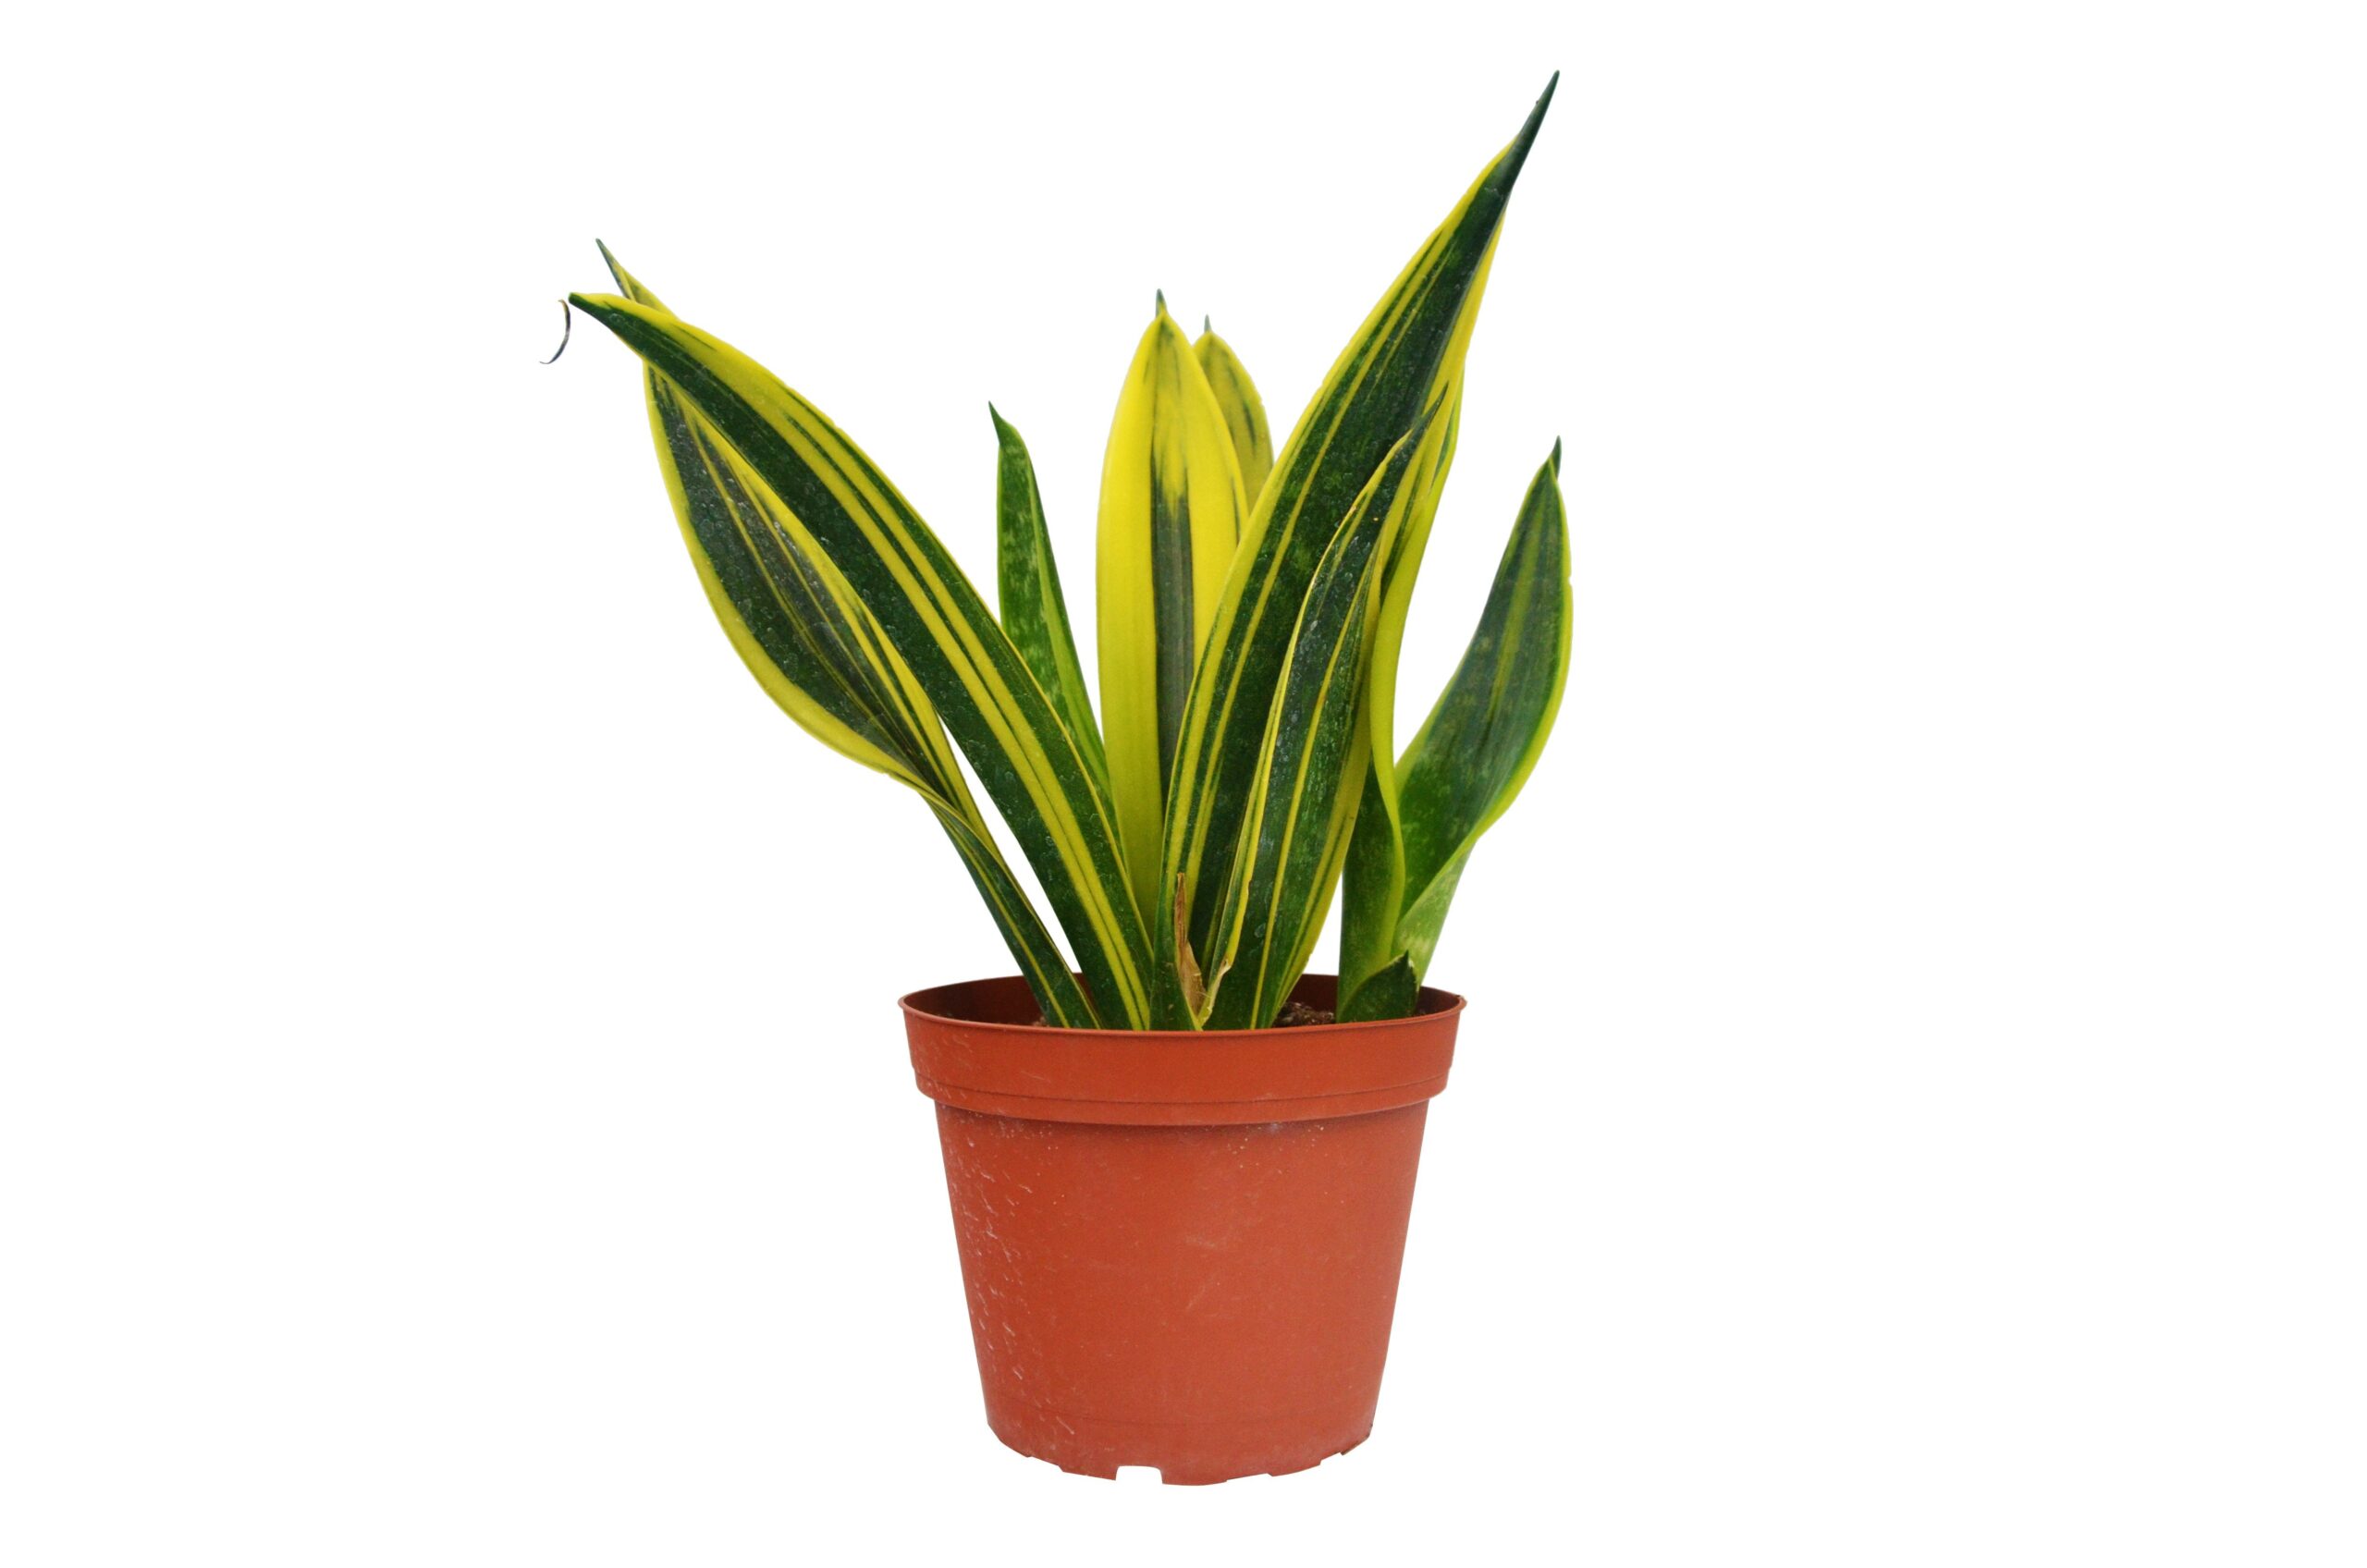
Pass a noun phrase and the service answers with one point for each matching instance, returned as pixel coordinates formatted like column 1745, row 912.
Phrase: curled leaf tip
column 567, row 329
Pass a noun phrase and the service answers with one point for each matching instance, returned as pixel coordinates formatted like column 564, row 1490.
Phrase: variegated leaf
column 1171, row 515
column 1034, row 613
column 816, row 652
column 930, row 612
column 1245, row 411
column 1469, row 762
column 1310, row 764
column 1403, row 361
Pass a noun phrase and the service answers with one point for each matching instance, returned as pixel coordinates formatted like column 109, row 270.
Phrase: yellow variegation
column 1250, row 606
column 818, row 653
column 1463, row 768
column 1310, row 762
column 1171, row 515
column 1245, row 411
column 1403, row 361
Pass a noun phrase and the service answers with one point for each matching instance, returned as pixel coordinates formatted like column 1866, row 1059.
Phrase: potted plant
column 1180, row 1166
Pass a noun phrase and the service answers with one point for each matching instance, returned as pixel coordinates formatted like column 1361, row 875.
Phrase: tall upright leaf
column 1375, row 868
column 1022, row 750
column 1466, row 765
column 1170, row 516
column 1245, row 411
column 1027, row 579
column 1400, row 363
column 1310, row 764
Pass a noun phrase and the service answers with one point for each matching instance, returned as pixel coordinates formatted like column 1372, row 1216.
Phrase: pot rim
column 1430, row 1001
column 1172, row 1077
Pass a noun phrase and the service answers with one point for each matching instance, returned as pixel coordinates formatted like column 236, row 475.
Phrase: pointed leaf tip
column 616, row 268
column 1555, row 460
column 1527, row 133
column 1158, row 300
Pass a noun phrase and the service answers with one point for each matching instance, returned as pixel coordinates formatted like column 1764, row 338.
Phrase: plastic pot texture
column 1181, row 1250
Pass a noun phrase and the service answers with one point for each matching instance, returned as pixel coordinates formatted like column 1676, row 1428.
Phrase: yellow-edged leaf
column 1402, row 361
column 1245, row 411
column 1027, row 582
column 816, row 650
column 1171, row 514
column 933, row 617
column 1311, row 763
column 1467, row 764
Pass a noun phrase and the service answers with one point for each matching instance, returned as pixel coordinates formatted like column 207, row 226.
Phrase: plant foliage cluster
column 1250, row 602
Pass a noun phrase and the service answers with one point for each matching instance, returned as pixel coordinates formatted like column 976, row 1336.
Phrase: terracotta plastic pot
column 1181, row 1250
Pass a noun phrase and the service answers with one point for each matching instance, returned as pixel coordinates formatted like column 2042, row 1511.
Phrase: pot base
column 1208, row 1454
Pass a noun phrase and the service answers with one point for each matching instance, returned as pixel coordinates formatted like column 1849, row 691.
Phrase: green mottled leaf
column 1034, row 614
column 1390, row 994
column 934, row 619
column 818, row 653
column 1472, row 755
column 1400, row 364
column 1310, row 764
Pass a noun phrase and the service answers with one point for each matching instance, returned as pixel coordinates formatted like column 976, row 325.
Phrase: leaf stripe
column 1311, row 761
column 1169, row 521
column 815, row 651
column 1409, row 348
column 913, row 750
column 1034, row 610
column 1244, row 411
column 1465, row 766
column 933, row 617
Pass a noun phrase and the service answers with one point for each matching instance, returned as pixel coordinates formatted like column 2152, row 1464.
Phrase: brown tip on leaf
column 1187, row 968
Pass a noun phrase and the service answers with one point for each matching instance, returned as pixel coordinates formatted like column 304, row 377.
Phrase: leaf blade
column 1406, row 354
column 1374, row 883
column 935, row 620
column 1170, row 518
column 1027, row 581
column 815, row 651
column 1311, row 763
column 1484, row 736
column 1244, row 411
column 1391, row 993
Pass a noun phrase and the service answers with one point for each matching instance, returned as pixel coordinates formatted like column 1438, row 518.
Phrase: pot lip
column 1431, row 1003
column 1037, row 1072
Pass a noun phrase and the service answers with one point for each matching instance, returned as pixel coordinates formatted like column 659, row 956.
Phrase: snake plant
column 1249, row 603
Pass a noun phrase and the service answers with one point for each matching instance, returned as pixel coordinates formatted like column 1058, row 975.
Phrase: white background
column 1910, row 1110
